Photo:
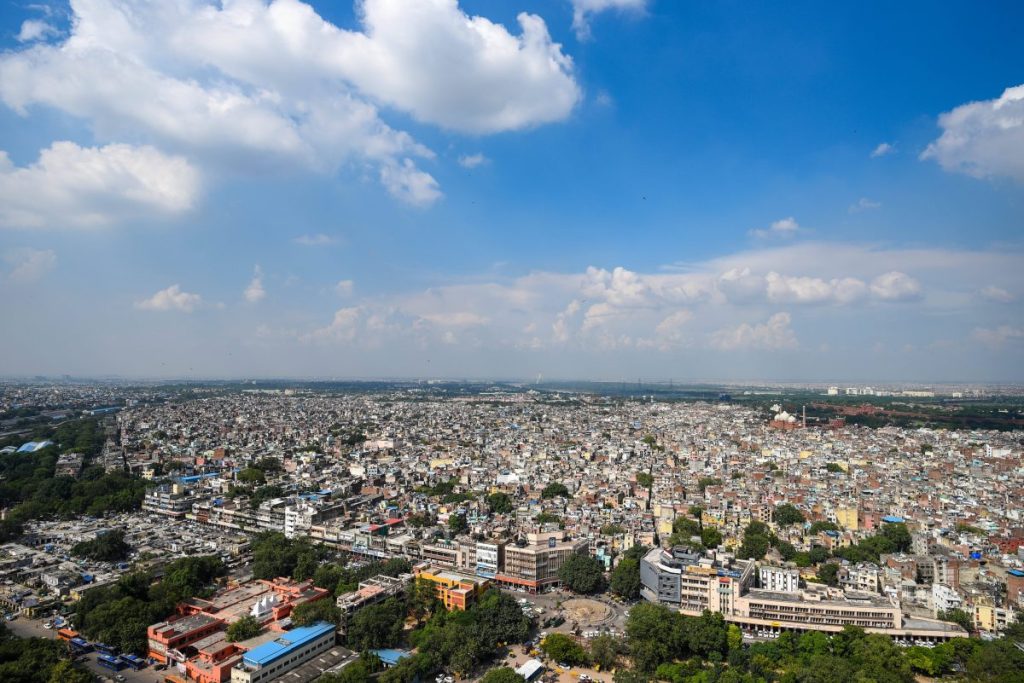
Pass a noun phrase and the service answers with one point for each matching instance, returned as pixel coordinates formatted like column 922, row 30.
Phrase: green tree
column 605, row 651
column 582, row 574
column 683, row 529
column 500, row 503
column 735, row 638
column 828, row 574
column 625, row 578
column 245, row 628
column 564, row 649
column 644, row 479
column 788, row 515
column 323, row 609
column 457, row 523
column 710, row 537
column 958, row 616
column 502, row 675
column 554, row 490
column 251, row 475
column 109, row 546
column 377, row 626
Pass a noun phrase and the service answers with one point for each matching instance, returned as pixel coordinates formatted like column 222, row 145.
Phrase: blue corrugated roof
column 391, row 657
column 268, row 652
column 1016, row 572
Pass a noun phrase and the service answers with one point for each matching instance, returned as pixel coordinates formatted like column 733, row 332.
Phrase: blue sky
column 578, row 188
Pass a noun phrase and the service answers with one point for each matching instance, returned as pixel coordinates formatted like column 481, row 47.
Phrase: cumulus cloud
column 895, row 286
column 255, row 292
column 170, row 299
column 790, row 289
column 772, row 335
column 87, row 187
column 344, row 327
column 344, row 288
column 983, row 139
column 784, row 227
column 997, row 294
column 472, row 160
column 259, row 85
column 406, row 182
column 883, row 149
column 998, row 337
column 35, row 29
column 582, row 10
column 29, row 265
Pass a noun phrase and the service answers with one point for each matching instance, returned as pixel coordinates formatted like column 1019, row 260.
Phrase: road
column 33, row 628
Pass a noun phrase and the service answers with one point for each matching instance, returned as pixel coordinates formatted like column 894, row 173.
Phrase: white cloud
column 472, row 160
column 883, row 149
column 895, row 286
column 170, row 299
column 789, row 289
column 997, row 294
column 85, row 187
column 34, row 29
column 864, row 204
column 774, row 334
column 409, row 184
column 344, row 327
column 784, row 227
column 344, row 288
column 582, row 10
column 255, row 292
column 983, row 139
column 317, row 240
column 29, row 265
column 998, row 337
column 255, row 85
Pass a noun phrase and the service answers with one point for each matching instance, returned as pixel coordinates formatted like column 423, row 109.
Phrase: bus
column 133, row 662
column 110, row 662
column 66, row 634
column 79, row 645
column 106, row 649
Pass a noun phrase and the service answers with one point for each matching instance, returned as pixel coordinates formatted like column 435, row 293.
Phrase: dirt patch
column 586, row 612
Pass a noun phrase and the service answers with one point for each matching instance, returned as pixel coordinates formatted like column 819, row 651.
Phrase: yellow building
column 455, row 590
column 847, row 517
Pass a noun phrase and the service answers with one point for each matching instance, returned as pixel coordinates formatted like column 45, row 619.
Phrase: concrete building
column 532, row 564
column 455, row 590
column 271, row 661
column 778, row 579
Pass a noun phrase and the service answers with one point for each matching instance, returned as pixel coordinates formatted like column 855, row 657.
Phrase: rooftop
column 268, row 652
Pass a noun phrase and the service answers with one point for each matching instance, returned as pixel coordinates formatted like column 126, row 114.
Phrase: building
column 166, row 639
column 455, row 590
column 69, row 465
column 271, row 661
column 490, row 558
column 375, row 589
column 174, row 501
column 778, row 579
column 692, row 582
column 532, row 564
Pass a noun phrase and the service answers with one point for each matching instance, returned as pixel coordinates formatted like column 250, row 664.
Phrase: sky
column 560, row 189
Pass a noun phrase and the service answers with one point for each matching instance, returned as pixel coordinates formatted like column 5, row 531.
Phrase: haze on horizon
column 601, row 189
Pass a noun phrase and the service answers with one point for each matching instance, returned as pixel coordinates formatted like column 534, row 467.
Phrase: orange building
column 455, row 590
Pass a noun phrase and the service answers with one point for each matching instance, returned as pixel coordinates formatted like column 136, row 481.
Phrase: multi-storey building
column 532, row 564
column 779, row 579
column 271, row 661
column 172, row 500
column 455, row 590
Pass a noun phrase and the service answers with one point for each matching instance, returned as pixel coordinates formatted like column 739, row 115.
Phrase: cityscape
column 515, row 341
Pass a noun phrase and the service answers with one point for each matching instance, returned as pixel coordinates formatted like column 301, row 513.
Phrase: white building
column 779, row 579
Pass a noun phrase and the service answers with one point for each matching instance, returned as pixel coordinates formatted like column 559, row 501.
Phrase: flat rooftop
column 288, row 641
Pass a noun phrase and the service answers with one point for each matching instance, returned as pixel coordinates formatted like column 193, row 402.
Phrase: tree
column 735, row 637
column 644, row 479
column 502, row 675
column 359, row 671
column 564, row 649
column 704, row 482
column 500, row 503
column 377, row 626
column 625, row 579
column 582, row 574
column 323, row 609
column 828, row 574
column 651, row 631
column 251, row 475
column 106, row 547
column 605, row 651
column 554, row 490
column 753, row 547
column 959, row 617
column 710, row 537
column 787, row 515
column 245, row 628
column 683, row 529
column 822, row 525
column 457, row 523
column 898, row 535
